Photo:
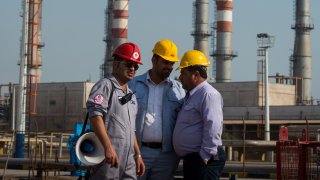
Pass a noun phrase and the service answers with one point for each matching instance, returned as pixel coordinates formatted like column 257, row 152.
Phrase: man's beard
column 166, row 73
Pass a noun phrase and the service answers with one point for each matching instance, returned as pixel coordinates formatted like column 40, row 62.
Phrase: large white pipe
column 21, row 106
column 267, row 112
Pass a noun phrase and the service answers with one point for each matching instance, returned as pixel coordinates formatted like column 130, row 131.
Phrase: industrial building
column 61, row 105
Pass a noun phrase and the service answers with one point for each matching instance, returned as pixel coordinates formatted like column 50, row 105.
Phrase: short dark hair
column 156, row 56
column 201, row 69
column 117, row 58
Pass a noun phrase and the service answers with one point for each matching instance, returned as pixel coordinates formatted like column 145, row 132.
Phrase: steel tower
column 301, row 58
column 200, row 32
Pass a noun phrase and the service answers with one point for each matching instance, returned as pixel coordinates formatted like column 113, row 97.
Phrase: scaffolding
column 33, row 54
column 297, row 159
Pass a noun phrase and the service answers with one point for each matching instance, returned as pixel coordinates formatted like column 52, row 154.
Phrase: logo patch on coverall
column 98, row 99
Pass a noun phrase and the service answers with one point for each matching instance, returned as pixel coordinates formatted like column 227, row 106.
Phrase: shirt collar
column 199, row 86
column 117, row 85
column 150, row 80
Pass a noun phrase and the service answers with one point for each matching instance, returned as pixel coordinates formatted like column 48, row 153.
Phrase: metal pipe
column 60, row 145
column 13, row 106
column 267, row 113
column 21, row 107
column 264, row 42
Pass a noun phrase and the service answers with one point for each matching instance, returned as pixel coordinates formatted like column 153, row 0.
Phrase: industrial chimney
column 200, row 32
column 116, row 30
column 30, row 70
column 224, row 53
column 301, row 58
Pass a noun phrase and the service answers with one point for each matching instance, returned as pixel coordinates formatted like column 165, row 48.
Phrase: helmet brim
column 169, row 58
column 204, row 64
column 124, row 57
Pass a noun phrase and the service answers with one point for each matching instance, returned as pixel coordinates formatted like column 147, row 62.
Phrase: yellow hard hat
column 167, row 50
column 193, row 57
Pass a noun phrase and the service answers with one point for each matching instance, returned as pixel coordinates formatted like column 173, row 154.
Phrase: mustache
column 168, row 69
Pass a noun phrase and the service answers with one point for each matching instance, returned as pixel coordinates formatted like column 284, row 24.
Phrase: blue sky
column 72, row 31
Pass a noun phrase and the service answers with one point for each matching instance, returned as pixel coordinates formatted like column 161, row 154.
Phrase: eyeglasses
column 130, row 64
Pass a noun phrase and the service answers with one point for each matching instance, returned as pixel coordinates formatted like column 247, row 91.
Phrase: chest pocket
column 140, row 94
column 116, row 127
column 191, row 113
column 141, row 99
column 172, row 97
column 174, row 94
column 191, row 109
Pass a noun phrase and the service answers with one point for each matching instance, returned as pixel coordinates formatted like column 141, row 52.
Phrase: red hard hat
column 129, row 51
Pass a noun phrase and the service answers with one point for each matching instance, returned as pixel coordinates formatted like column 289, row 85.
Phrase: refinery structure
column 253, row 113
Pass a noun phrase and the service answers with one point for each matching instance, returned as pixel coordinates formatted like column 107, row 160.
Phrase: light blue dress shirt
column 199, row 123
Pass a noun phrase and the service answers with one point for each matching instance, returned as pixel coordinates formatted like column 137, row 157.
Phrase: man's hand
column 140, row 165
column 111, row 157
column 98, row 128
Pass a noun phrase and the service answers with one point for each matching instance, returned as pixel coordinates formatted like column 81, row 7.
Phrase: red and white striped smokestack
column 224, row 19
column 120, row 22
column 116, row 30
column 224, row 52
